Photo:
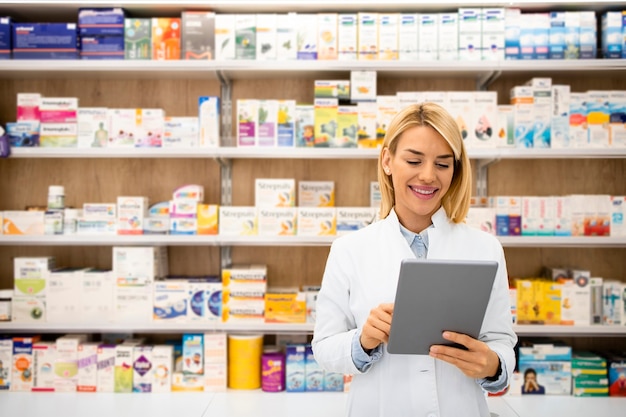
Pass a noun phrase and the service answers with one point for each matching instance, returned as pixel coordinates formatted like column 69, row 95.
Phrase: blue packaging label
column 45, row 41
column 101, row 21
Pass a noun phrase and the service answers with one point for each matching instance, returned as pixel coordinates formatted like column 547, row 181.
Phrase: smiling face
column 421, row 171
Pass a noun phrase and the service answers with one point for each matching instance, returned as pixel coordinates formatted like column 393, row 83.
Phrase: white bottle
column 56, row 197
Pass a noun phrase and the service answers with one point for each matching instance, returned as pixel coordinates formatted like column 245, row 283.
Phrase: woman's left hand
column 478, row 361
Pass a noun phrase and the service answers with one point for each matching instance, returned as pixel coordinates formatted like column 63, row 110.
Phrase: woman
column 425, row 182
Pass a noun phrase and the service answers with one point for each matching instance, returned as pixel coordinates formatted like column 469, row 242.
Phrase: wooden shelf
column 303, row 153
column 297, row 241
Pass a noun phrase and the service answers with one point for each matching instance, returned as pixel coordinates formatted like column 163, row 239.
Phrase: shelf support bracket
column 226, row 119
column 226, row 170
column 483, row 82
column 482, row 173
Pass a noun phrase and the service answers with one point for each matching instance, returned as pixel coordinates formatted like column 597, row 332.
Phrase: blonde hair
column 457, row 200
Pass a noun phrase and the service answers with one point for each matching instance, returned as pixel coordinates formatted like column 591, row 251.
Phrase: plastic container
column 70, row 221
column 56, row 197
column 5, row 304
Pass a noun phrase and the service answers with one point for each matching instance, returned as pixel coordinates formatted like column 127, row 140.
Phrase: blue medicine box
column 5, row 37
column 45, row 41
column 101, row 21
column 102, row 47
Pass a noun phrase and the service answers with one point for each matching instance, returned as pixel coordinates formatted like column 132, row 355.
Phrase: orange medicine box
column 165, row 38
column 285, row 307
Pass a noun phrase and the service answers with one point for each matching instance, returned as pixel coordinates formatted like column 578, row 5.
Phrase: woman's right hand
column 377, row 326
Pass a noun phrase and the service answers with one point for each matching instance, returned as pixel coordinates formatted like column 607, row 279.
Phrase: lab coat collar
column 440, row 220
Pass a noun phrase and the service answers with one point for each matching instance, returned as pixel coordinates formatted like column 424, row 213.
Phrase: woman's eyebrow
column 418, row 153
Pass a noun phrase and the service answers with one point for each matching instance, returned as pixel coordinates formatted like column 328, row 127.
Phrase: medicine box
column 162, row 368
column 367, row 36
column 22, row 363
column 180, row 132
column 171, row 300
column 123, row 370
column 209, row 121
column 130, row 214
column 205, row 299
column 193, row 354
column 45, row 41
column 554, row 376
column 326, row 112
column 274, row 192
column 238, row 221
column 245, row 36
column 5, row 37
column 388, row 28
column 44, row 355
column 267, row 123
column 247, row 122
column 347, row 26
column 96, row 295
column 285, row 306
column 305, row 126
column 266, row 35
column 23, row 223
column 306, row 32
column 93, row 127
column 198, row 35
column 58, row 135
column 327, row 36
column 316, row 194
column 6, row 353
column 102, row 47
column 23, row 134
column 314, row 373
column 63, row 300
column 66, row 363
column 225, row 37
column 277, row 221
column 101, row 21
column 316, row 221
column 137, row 38
column 87, row 367
column 286, row 123
column 295, row 361
column 166, row 38
column 207, row 219
column 142, row 369
column 106, row 365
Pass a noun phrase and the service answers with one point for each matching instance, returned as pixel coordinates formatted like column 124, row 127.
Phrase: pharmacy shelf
column 113, row 153
column 252, row 69
column 158, row 327
column 111, row 240
column 574, row 331
column 302, row 153
column 245, row 403
column 232, row 403
column 562, row 242
column 271, row 328
column 107, row 69
column 54, row 9
column 216, row 240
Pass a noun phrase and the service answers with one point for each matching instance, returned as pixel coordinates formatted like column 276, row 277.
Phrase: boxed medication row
column 73, row 363
column 575, row 215
column 60, row 122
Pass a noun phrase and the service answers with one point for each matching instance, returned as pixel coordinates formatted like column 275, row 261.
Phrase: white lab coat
column 362, row 272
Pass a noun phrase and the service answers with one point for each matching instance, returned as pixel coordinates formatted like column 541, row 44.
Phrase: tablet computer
column 437, row 295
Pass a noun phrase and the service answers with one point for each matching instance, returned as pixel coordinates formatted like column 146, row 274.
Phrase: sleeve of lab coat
column 497, row 330
column 334, row 322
